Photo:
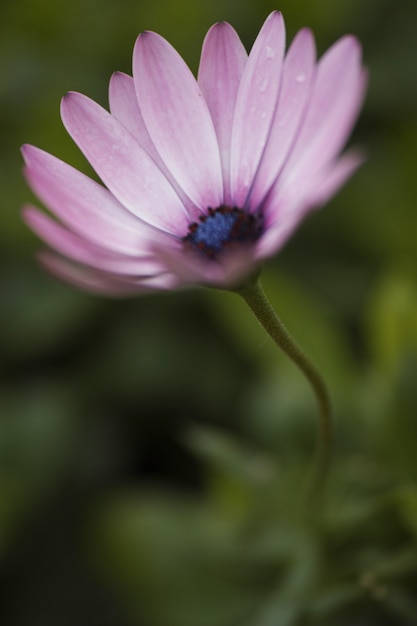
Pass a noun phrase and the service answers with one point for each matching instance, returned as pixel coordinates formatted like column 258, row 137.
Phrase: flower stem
column 254, row 296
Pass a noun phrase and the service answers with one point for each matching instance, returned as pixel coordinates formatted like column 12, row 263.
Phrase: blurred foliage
column 154, row 453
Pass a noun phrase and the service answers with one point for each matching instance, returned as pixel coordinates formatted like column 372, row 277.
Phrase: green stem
column 260, row 306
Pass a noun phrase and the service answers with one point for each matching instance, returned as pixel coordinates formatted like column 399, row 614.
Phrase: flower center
column 220, row 228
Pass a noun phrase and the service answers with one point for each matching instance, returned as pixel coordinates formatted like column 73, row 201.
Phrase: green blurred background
column 154, row 452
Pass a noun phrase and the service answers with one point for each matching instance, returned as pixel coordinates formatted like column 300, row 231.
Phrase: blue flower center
column 220, row 228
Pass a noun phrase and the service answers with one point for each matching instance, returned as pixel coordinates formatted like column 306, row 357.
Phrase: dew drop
column 270, row 52
column 264, row 84
column 300, row 78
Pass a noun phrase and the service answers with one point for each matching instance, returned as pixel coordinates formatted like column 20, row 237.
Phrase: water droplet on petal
column 270, row 52
column 264, row 84
column 300, row 78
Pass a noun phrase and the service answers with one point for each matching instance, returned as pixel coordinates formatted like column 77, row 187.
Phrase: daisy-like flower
column 203, row 179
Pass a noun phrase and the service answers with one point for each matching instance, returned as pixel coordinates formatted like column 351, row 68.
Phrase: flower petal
column 85, row 206
column 224, row 272
column 124, row 107
column 103, row 283
column 83, row 251
column 336, row 98
column 223, row 59
column 125, row 168
column 330, row 180
column 255, row 105
column 286, row 214
column 297, row 76
column 277, row 235
column 178, row 119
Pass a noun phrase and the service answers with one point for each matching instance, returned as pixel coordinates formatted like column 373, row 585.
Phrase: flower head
column 203, row 179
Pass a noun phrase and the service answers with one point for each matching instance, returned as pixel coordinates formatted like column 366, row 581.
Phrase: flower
column 204, row 179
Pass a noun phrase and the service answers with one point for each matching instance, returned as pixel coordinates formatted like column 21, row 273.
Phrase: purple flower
column 206, row 178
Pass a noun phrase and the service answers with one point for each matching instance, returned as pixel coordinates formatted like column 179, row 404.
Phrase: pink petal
column 277, row 235
column 284, row 218
column 337, row 96
column 330, row 180
column 223, row 59
column 102, row 283
column 255, row 105
column 194, row 269
column 178, row 119
column 79, row 249
column 124, row 107
column 297, row 75
column 125, row 168
column 85, row 206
